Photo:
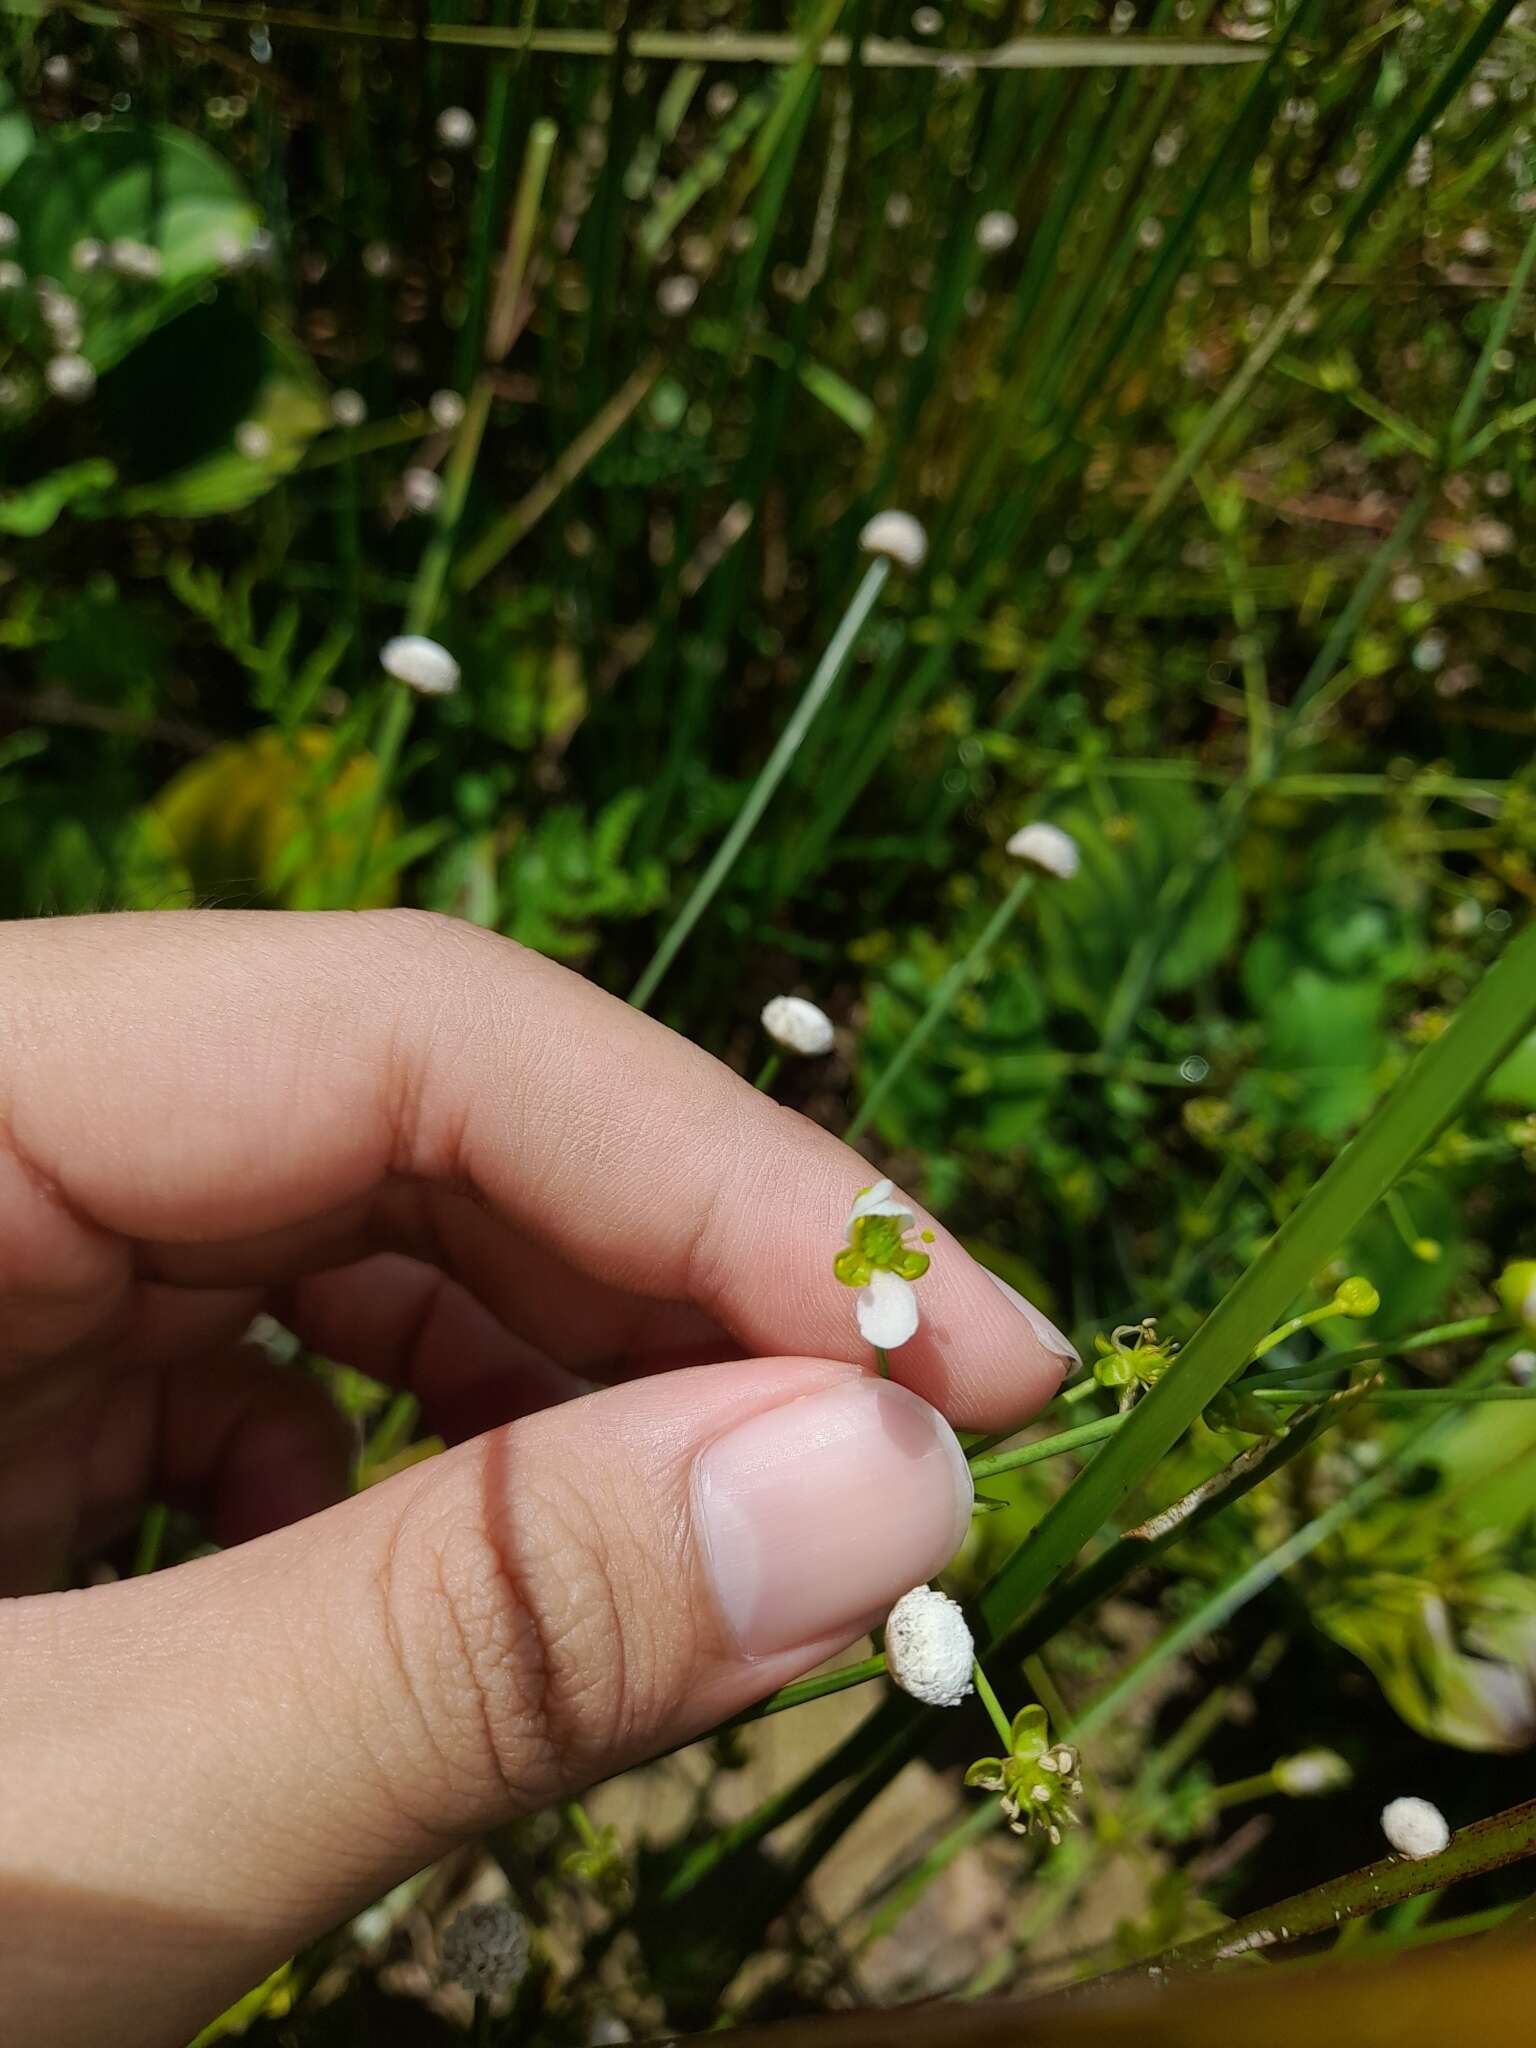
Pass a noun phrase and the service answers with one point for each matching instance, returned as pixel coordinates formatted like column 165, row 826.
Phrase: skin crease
column 465, row 1171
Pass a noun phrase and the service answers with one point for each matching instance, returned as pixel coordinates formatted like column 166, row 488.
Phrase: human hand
column 465, row 1171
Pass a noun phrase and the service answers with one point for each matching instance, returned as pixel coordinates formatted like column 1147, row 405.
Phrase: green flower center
column 874, row 1246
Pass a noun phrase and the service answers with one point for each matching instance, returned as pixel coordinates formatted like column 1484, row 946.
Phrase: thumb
column 203, row 1769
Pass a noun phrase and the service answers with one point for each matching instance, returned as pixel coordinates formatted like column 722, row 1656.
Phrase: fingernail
column 1055, row 1341
column 816, row 1516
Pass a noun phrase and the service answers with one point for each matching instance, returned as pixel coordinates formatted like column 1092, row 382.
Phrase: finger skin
column 218, row 1762
column 211, row 1077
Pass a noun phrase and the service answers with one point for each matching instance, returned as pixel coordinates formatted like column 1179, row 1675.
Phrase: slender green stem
column 1047, row 1447
column 882, row 1363
column 1498, row 334
column 146, row 1556
column 942, row 1001
column 817, row 690
column 768, row 1073
column 993, row 1705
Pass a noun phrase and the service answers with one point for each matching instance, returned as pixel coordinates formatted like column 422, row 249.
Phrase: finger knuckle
column 526, row 1669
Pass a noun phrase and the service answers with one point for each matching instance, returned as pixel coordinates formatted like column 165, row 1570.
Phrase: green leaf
column 1515, row 1081
column 1089, row 924
column 35, row 507
column 266, row 385
column 16, row 137
column 131, row 182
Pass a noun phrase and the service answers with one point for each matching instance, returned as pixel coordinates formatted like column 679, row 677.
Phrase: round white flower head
column 420, row 664
column 253, row 441
column 10, row 233
column 676, row 294
column 422, row 489
column 348, row 408
column 1414, row 1828
column 70, row 377
column 1048, row 848
column 798, row 1026
column 87, row 254
column 898, row 535
column 1311, row 1771
column 878, row 1261
column 1521, row 1367
column 447, row 410
column 928, row 1647
column 996, row 231
column 485, row 1949
column 12, row 276
column 456, row 128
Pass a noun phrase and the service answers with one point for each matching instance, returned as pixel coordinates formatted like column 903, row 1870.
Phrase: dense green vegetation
column 1199, row 340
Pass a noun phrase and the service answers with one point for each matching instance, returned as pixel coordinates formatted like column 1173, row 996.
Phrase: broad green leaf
column 1130, row 845
column 251, row 427
column 272, row 819
column 127, row 182
column 16, row 138
column 1515, row 1081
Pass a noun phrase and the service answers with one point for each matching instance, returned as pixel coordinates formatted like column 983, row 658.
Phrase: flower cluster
column 485, row 1949
column 879, row 1262
column 1037, row 1777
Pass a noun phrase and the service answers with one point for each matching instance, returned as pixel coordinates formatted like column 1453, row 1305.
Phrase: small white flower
column 447, row 410
column 928, row 1647
column 456, row 128
column 927, row 21
column 886, row 1303
column 12, row 276
column 229, row 250
column 1046, row 847
column 995, row 231
column 348, row 407
column 87, row 254
column 898, row 535
column 10, row 233
column 798, row 1026
column 1309, row 1772
column 378, row 259
column 253, row 441
column 422, row 489
column 135, row 260
column 1415, row 1828
column 420, row 664
column 485, row 1949
column 1521, row 1367
column 59, row 71
column 70, row 377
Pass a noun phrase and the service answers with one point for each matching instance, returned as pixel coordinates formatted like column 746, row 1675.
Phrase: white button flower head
column 70, row 377
column 485, row 1949
column 447, row 410
column 10, row 233
column 348, row 408
column 878, row 1261
column 456, row 128
column 421, row 664
column 12, row 276
column 996, row 231
column 1415, row 1828
column 253, row 441
column 1048, row 848
column 422, row 489
column 87, row 254
column 797, row 1026
column 1310, row 1772
column 897, row 535
column 928, row 1647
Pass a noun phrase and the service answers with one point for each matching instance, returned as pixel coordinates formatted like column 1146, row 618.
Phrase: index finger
column 203, row 1076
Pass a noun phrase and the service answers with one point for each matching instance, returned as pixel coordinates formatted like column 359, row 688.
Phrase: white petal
column 887, row 1311
column 928, row 1647
column 877, row 1201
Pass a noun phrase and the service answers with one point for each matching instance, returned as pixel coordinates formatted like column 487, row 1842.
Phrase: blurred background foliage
column 587, row 342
